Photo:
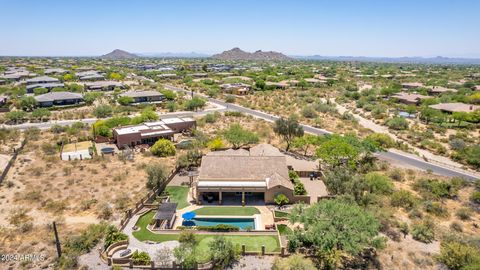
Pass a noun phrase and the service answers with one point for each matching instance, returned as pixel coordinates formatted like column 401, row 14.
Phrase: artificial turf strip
column 178, row 195
column 227, row 211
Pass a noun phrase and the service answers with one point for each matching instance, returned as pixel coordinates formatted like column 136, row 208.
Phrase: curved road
column 394, row 156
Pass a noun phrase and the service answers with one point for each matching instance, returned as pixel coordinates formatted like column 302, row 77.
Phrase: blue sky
column 341, row 27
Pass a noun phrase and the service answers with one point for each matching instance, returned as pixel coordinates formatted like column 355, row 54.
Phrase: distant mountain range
column 118, row 54
column 405, row 60
column 238, row 54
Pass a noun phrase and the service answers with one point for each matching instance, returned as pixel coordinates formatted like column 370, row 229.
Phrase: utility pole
column 57, row 240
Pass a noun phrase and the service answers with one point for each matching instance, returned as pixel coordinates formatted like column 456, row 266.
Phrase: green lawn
column 252, row 242
column 282, row 214
column 284, row 229
column 227, row 211
column 178, row 195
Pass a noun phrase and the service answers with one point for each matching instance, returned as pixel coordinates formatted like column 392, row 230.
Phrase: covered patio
column 165, row 216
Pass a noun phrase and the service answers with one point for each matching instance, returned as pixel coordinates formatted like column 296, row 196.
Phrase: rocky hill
column 238, row 54
column 119, row 54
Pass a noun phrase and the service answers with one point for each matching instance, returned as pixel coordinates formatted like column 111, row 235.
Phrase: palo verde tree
column 238, row 137
column 333, row 225
column 288, row 129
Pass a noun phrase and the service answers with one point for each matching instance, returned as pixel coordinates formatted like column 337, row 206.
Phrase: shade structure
column 188, row 215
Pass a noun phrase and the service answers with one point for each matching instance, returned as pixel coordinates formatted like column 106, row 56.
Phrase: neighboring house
column 437, row 90
column 199, row 75
column 3, row 82
column 103, row 85
column 49, row 86
column 41, row 79
column 241, row 78
column 42, row 82
column 236, row 88
column 58, row 99
column 144, row 96
column 413, row 85
column 455, row 107
column 476, row 88
column 277, row 85
column 245, row 176
column 93, row 77
column 407, row 98
column 150, row 132
column 168, row 76
column 55, row 71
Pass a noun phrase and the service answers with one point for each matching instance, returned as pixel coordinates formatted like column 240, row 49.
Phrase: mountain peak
column 119, row 54
column 238, row 54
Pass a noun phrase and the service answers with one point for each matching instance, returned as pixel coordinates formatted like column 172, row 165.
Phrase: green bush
column 459, row 256
column 218, row 228
column 281, row 199
column 140, row 258
column 113, row 236
column 379, row 183
column 404, row 199
column 397, row 123
column 299, row 188
column 103, row 111
column 163, row 148
column 435, row 208
column 464, row 213
column 423, row 232
column 436, row 189
column 475, row 197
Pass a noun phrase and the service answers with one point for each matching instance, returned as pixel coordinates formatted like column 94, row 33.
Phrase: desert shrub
column 112, row 236
column 105, row 211
column 378, row 183
column 464, row 213
column 163, row 148
column 49, row 149
column 456, row 226
column 309, row 112
column 222, row 252
column 436, row 189
column 475, row 197
column 404, row 199
column 459, row 256
column 435, row 208
column 397, row 123
column 281, row 199
column 140, row 258
column 415, row 213
column 211, row 117
column 103, row 111
column 424, row 231
column 230, row 99
column 397, row 175
column 299, row 188
column 295, row 261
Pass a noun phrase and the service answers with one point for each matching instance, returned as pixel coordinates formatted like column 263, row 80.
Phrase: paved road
column 395, row 156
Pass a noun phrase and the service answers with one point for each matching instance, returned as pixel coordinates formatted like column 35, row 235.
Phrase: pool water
column 242, row 223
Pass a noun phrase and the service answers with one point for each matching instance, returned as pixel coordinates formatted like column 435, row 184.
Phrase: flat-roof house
column 436, row 90
column 103, row 85
column 144, row 96
column 49, row 86
column 236, row 88
column 93, row 77
column 58, row 99
column 277, row 85
column 168, row 76
column 200, row 75
column 55, row 71
column 41, row 79
column 150, row 132
column 3, row 82
column 455, row 107
column 412, row 85
column 408, row 98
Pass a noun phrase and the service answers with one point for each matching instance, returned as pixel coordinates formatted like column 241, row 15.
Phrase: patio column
column 243, row 198
column 220, row 197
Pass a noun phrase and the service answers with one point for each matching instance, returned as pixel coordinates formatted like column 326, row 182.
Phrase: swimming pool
column 242, row 223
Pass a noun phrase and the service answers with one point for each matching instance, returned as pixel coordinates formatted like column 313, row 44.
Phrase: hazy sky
column 340, row 27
